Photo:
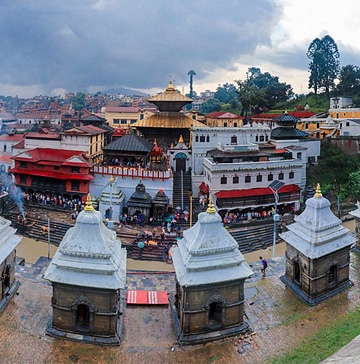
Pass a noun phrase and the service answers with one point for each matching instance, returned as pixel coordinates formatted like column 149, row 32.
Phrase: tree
column 354, row 183
column 78, row 101
column 324, row 64
column 226, row 93
column 262, row 90
column 349, row 78
column 210, row 105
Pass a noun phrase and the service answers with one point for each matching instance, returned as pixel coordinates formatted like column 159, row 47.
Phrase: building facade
column 221, row 119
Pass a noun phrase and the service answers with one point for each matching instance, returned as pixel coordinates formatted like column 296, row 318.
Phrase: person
column 264, row 266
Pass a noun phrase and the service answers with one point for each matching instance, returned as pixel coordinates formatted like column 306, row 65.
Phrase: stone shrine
column 160, row 203
column 111, row 201
column 317, row 252
column 87, row 273
column 8, row 282
column 139, row 202
column 210, row 273
column 356, row 214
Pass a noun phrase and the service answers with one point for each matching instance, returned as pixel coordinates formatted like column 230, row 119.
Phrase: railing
column 132, row 172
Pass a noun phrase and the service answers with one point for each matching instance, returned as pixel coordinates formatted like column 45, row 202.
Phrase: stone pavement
column 280, row 321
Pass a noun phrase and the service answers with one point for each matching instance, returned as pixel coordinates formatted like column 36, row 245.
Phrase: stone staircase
column 256, row 236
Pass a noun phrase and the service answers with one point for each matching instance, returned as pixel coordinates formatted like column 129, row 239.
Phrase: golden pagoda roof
column 168, row 120
column 170, row 95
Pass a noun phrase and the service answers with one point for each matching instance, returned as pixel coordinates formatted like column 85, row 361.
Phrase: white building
column 340, row 102
column 349, row 127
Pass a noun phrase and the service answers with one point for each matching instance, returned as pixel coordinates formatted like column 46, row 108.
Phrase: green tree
column 324, row 64
column 210, row 105
column 78, row 101
column 349, row 80
column 226, row 93
column 354, row 184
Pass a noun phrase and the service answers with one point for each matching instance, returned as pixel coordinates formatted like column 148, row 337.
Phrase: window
column 23, row 164
column 75, row 170
column 40, row 166
column 116, row 121
column 340, row 125
column 347, row 123
column 223, row 180
column 207, row 139
column 291, row 175
column 344, row 114
column 306, row 126
column 225, row 125
column 247, row 179
column 234, row 140
column 133, row 121
column 23, row 179
column 257, row 138
column 56, row 168
column 270, row 177
column 123, row 121
column 332, row 274
column 236, row 179
column 317, row 125
column 196, row 138
column 75, row 185
column 298, row 155
column 202, row 139
column 262, row 138
column 337, row 115
column 235, row 125
column 281, row 176
column 4, row 147
column 266, row 138
column 141, row 116
column 259, row 178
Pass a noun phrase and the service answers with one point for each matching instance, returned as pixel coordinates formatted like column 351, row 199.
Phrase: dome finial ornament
column 89, row 206
column 211, row 208
column 318, row 191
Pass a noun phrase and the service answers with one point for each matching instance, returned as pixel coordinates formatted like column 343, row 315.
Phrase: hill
column 317, row 103
column 123, row 91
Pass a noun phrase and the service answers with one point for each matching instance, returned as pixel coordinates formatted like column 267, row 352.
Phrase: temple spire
column 211, row 208
column 181, row 139
column 318, row 191
column 89, row 206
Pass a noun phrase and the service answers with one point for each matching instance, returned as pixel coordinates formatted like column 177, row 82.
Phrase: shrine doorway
column 215, row 312
column 6, row 279
column 83, row 318
column 180, row 162
column 297, row 273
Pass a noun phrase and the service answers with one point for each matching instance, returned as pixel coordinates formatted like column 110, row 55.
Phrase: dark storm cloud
column 136, row 43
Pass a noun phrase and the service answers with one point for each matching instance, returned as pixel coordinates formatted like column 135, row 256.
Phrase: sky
column 51, row 47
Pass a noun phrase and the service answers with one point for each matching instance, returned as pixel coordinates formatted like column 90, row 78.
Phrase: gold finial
column 181, row 139
column 112, row 179
column 89, row 206
column 211, row 208
column 318, row 191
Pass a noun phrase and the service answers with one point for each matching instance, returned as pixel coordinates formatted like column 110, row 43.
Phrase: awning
column 204, row 187
column 48, row 174
column 255, row 192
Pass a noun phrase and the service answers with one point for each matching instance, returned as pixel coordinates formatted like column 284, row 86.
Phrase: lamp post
column 191, row 207
column 275, row 187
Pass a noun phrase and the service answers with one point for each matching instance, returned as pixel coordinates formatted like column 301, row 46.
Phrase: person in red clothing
column 264, row 266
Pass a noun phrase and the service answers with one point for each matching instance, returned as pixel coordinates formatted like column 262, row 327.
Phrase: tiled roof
column 130, row 143
column 38, row 135
column 223, row 115
column 12, row 138
column 123, row 109
column 288, row 133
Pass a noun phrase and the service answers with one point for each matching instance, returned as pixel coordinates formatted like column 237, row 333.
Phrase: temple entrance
column 82, row 318
column 180, row 162
column 297, row 273
column 215, row 313
column 6, row 280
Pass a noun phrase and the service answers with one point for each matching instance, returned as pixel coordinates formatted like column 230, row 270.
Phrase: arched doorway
column 180, row 159
column 297, row 272
column 215, row 313
column 83, row 318
column 6, row 280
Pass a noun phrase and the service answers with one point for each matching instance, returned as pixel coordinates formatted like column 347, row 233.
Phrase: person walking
column 264, row 266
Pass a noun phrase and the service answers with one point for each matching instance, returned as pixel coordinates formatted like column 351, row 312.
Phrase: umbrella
column 178, row 238
column 141, row 244
column 168, row 219
column 172, row 216
column 178, row 208
column 185, row 212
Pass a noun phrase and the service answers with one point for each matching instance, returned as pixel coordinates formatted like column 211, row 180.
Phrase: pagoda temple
column 210, row 274
column 317, row 252
column 166, row 125
column 87, row 273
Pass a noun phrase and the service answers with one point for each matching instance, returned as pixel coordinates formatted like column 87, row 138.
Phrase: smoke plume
column 16, row 193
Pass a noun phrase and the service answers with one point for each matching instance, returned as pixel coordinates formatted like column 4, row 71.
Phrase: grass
column 325, row 342
column 317, row 103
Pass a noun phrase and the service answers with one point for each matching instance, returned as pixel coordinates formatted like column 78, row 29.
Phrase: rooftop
column 130, row 143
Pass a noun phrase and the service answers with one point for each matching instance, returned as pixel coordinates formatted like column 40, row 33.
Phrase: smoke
column 16, row 193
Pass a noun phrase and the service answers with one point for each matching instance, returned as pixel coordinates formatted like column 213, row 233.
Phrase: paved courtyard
column 279, row 320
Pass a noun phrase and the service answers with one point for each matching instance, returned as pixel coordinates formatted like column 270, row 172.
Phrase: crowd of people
column 56, row 200
column 234, row 217
column 127, row 163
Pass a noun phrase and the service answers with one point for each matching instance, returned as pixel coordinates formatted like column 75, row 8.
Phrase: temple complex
column 87, row 273
column 210, row 273
column 317, row 252
column 166, row 125
column 8, row 282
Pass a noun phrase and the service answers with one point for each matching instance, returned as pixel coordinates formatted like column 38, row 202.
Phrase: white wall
column 349, row 128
